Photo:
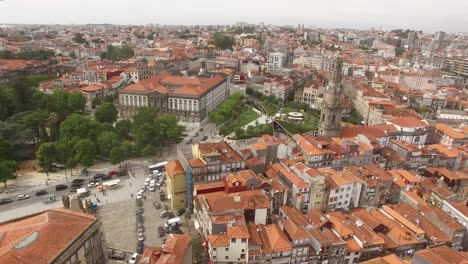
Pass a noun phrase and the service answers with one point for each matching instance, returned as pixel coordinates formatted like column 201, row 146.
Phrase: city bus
column 159, row 166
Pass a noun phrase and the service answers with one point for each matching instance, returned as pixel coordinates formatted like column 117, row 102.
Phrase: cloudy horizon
column 426, row 15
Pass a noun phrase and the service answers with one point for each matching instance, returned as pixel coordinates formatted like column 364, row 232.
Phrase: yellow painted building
column 176, row 187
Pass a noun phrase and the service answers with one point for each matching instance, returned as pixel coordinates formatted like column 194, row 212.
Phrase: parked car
column 180, row 212
column 201, row 129
column 157, row 205
column 164, row 214
column 106, row 177
column 112, row 173
column 175, row 230
column 189, row 141
column 166, row 208
column 204, row 138
column 116, row 254
column 76, row 185
column 140, row 246
column 93, row 184
column 147, row 181
column 161, row 231
column 74, row 189
column 134, row 258
column 41, row 192
column 141, row 236
column 122, row 172
column 196, row 135
column 22, row 197
column 78, row 180
column 140, row 194
column 61, row 187
column 99, row 176
column 5, row 201
column 152, row 189
column 157, row 173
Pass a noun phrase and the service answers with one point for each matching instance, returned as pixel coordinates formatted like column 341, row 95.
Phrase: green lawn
column 246, row 116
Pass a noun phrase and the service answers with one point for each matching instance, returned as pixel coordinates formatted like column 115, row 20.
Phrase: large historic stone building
column 191, row 99
column 330, row 118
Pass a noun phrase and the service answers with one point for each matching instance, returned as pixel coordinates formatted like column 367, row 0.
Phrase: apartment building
column 276, row 60
column 177, row 249
column 343, row 188
column 11, row 70
column 208, row 162
column 448, row 136
column 60, row 235
column 314, row 153
column 363, row 242
column 176, row 185
column 399, row 239
column 252, row 206
column 377, row 184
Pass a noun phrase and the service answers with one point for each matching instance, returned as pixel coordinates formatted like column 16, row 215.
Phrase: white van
column 173, row 222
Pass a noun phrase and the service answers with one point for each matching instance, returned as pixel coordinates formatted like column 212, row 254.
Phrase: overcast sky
column 427, row 15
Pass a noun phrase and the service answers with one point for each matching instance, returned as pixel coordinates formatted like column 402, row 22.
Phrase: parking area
column 120, row 219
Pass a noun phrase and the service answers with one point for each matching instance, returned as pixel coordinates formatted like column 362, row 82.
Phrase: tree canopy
column 117, row 53
column 7, row 171
column 46, row 155
column 106, row 113
column 222, row 41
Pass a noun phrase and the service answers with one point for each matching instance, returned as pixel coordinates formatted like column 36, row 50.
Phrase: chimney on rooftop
column 237, row 197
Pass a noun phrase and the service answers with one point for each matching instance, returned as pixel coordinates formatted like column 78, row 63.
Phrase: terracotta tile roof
column 254, row 235
column 390, row 259
column 336, row 179
column 442, row 255
column 56, row 230
column 413, row 227
column 274, row 240
column 408, row 121
column 255, row 161
column 297, row 181
column 449, row 152
column 432, row 232
column 223, row 149
column 347, row 225
column 445, row 129
column 218, row 240
column 174, row 168
column 195, row 163
column 235, row 219
column 166, row 83
column 295, row 231
column 221, row 201
column 238, row 232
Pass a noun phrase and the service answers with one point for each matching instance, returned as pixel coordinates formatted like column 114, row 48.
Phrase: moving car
column 134, row 258
column 201, row 129
column 61, row 187
column 41, row 192
column 112, row 173
column 161, row 231
column 5, row 201
column 22, row 197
